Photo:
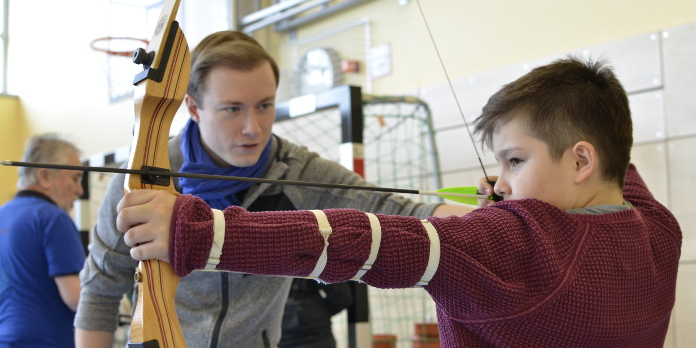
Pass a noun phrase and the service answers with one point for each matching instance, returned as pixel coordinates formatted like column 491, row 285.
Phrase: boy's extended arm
column 491, row 245
column 280, row 243
column 287, row 243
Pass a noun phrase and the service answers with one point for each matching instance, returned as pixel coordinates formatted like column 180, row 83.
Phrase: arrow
column 465, row 195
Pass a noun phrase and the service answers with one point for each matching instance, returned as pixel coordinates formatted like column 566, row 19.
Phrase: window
column 3, row 46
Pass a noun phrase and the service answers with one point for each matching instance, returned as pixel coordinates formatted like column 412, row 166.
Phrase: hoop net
column 114, row 54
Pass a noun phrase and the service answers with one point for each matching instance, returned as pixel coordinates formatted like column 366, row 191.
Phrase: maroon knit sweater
column 518, row 274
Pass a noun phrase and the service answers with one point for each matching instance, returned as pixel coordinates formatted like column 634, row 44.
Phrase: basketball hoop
column 111, row 52
column 115, row 45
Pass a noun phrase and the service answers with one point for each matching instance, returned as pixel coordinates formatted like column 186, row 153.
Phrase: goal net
column 399, row 152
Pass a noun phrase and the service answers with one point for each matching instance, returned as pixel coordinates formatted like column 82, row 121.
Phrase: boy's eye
column 232, row 109
column 514, row 162
column 265, row 106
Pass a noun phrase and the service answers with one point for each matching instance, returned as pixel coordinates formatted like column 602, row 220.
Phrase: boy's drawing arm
column 637, row 193
column 635, row 190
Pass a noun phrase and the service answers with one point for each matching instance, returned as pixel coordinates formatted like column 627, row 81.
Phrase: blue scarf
column 219, row 194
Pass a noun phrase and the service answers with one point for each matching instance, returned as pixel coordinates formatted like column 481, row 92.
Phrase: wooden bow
column 159, row 91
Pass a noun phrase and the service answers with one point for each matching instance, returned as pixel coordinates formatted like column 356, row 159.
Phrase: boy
column 579, row 253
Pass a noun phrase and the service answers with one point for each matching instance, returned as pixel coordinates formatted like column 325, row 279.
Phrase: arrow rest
column 154, row 179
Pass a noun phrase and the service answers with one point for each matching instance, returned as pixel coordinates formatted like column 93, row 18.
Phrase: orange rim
column 112, row 52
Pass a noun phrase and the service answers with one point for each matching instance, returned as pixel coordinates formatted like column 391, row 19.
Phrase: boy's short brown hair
column 565, row 102
column 227, row 48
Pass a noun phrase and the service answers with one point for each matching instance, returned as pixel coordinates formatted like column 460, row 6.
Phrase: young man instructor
column 231, row 100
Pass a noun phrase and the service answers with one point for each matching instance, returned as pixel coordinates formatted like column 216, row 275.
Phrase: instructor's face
column 236, row 114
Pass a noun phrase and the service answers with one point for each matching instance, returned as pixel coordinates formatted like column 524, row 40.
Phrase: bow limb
column 159, row 91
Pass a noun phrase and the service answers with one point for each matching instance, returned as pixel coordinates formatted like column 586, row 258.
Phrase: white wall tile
column 651, row 162
column 456, row 150
column 474, row 91
column 635, row 60
column 443, row 105
column 669, row 339
column 679, row 51
column 648, row 116
column 683, row 318
column 682, row 182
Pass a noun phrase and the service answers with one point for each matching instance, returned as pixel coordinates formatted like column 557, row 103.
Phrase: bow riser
column 159, row 91
column 156, row 105
column 154, row 318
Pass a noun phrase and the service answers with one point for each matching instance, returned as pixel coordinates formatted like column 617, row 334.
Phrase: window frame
column 4, row 38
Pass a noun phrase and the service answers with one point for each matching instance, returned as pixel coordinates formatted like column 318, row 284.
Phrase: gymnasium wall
column 13, row 133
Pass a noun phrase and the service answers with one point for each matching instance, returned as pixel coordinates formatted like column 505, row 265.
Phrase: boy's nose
column 501, row 188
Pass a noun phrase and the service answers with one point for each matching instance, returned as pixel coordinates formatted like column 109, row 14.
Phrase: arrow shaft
column 455, row 194
column 154, row 173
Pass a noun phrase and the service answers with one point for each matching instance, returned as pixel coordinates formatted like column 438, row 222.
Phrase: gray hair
column 45, row 148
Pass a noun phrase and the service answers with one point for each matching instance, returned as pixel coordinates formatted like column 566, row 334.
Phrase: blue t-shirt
column 38, row 241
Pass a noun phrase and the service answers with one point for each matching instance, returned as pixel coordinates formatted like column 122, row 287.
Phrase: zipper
column 223, row 309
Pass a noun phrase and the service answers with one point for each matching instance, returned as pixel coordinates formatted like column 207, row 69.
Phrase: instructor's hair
column 230, row 49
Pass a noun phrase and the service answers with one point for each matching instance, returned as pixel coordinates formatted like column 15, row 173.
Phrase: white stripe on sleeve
column 434, row 259
column 374, row 250
column 218, row 239
column 325, row 230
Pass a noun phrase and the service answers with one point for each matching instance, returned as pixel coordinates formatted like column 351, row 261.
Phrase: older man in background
column 41, row 253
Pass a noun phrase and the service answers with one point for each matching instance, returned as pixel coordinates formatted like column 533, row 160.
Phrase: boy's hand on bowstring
column 485, row 187
column 145, row 217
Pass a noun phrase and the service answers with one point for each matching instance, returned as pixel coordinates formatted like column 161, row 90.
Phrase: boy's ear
column 586, row 161
column 192, row 107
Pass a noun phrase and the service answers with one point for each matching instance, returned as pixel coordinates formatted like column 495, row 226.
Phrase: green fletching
column 465, row 190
